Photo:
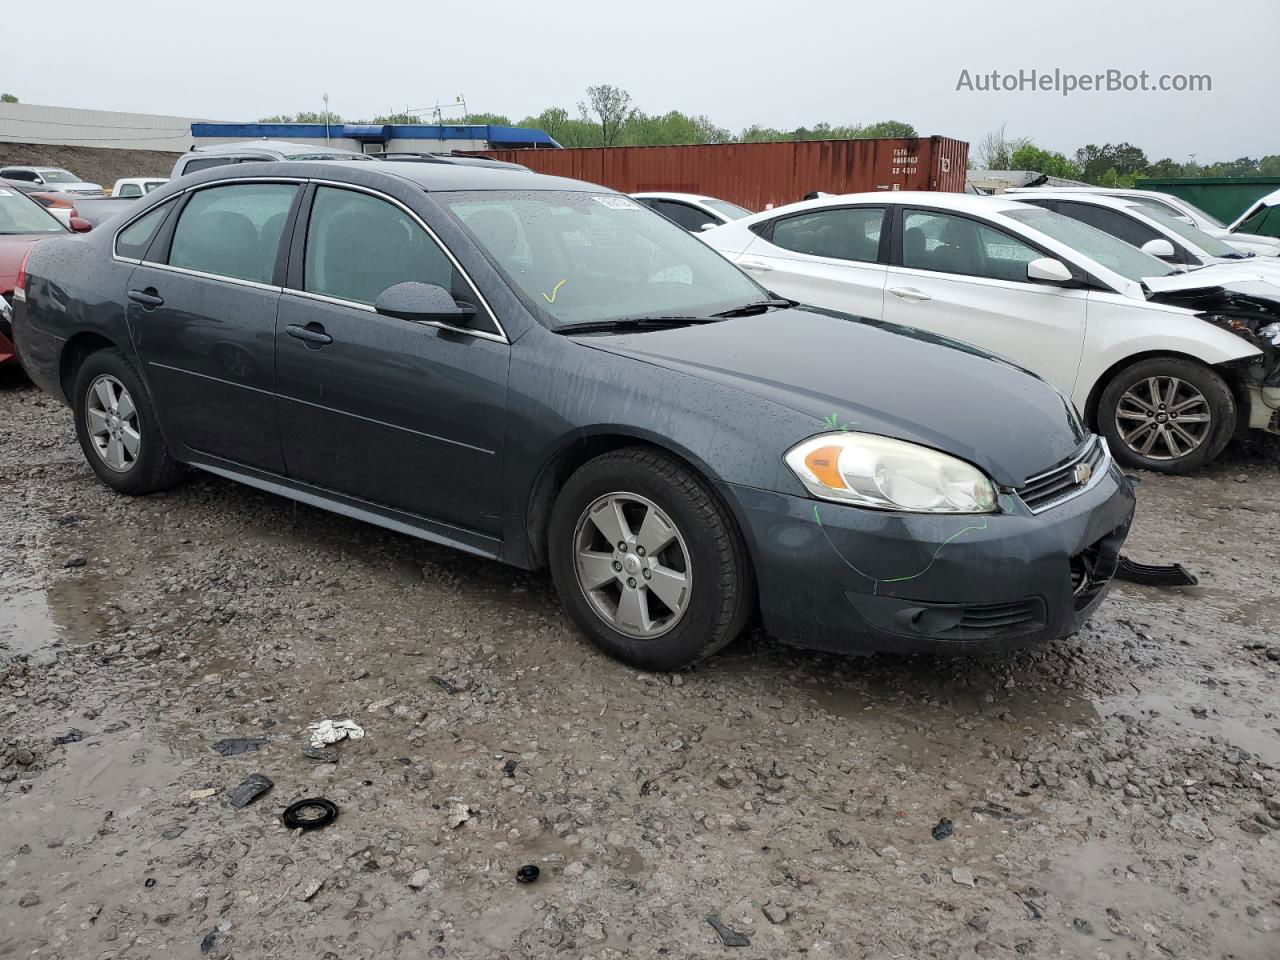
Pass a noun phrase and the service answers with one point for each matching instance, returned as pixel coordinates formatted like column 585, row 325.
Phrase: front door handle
column 311, row 333
column 910, row 294
column 148, row 297
column 756, row 266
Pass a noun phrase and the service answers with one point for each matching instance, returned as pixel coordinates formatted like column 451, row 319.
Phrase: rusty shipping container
column 757, row 175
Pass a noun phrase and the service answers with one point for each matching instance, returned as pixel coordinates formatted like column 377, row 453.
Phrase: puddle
column 26, row 625
column 1174, row 709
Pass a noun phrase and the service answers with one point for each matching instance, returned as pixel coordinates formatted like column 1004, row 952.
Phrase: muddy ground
column 1112, row 795
column 103, row 165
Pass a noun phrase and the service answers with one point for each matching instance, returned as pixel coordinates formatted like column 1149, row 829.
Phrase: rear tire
column 117, row 426
column 1167, row 415
column 681, row 586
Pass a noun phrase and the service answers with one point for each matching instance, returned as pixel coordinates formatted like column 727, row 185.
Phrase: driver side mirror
column 1048, row 270
column 423, row 303
column 1159, row 247
column 707, row 226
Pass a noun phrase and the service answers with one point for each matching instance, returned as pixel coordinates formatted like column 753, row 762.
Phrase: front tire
column 1167, row 415
column 117, row 427
column 647, row 560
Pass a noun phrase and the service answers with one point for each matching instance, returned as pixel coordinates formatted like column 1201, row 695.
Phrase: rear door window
column 691, row 218
column 233, row 230
column 1131, row 231
column 841, row 234
column 204, row 163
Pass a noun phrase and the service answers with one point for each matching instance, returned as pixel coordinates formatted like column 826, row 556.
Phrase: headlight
column 870, row 471
column 1271, row 333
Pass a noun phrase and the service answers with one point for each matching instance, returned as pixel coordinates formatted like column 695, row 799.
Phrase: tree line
column 608, row 118
column 1108, row 165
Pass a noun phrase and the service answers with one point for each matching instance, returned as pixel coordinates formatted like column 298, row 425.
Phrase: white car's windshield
column 19, row 215
column 1116, row 255
column 54, row 175
column 590, row 258
column 1209, row 244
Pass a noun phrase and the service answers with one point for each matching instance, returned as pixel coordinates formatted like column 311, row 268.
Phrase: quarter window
column 358, row 246
column 136, row 238
column 947, row 244
column 233, row 231
column 843, row 234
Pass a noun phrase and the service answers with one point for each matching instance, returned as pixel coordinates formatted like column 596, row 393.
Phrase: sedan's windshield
column 54, row 175
column 727, row 209
column 586, row 258
column 1104, row 249
column 1209, row 244
column 19, row 215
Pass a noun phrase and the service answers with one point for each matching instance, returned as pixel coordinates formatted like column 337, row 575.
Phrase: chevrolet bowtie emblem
column 1082, row 473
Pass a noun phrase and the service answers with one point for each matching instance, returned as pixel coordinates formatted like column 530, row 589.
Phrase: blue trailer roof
column 495, row 134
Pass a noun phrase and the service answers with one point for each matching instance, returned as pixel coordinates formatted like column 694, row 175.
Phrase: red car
column 22, row 223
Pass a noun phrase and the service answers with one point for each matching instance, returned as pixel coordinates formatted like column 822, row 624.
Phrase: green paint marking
column 876, row 581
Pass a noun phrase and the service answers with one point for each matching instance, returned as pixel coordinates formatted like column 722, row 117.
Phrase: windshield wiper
column 760, row 306
column 633, row 323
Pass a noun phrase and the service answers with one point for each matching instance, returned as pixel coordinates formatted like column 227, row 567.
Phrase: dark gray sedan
column 545, row 372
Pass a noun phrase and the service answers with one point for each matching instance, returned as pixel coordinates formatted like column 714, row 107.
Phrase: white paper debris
column 331, row 731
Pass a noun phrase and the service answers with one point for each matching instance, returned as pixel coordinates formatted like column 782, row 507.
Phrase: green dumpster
column 1224, row 197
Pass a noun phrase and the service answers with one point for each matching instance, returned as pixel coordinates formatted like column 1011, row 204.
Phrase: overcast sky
column 778, row 64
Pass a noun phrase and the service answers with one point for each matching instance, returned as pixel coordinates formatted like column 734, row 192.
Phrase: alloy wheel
column 632, row 565
column 1163, row 418
column 112, row 420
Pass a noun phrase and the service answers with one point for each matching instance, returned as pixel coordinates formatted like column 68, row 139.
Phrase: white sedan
column 1168, row 365
column 1152, row 229
column 1175, row 206
column 693, row 211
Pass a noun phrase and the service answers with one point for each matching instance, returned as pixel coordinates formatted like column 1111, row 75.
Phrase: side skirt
column 407, row 523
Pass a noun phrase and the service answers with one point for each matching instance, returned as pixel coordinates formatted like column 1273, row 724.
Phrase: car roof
column 960, row 202
column 429, row 176
column 283, row 147
column 671, row 195
column 1122, row 202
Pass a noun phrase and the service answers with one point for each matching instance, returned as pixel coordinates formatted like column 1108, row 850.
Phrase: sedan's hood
column 1227, row 274
column 12, row 250
column 874, row 377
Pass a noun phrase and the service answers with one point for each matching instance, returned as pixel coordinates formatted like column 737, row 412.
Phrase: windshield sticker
column 617, row 203
column 554, row 290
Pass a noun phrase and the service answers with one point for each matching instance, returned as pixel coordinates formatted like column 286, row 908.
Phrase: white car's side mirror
column 707, row 226
column 1048, row 270
column 1159, row 247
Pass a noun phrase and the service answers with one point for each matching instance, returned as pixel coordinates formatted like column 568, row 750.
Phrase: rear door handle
column 311, row 333
column 910, row 294
column 147, row 297
column 756, row 266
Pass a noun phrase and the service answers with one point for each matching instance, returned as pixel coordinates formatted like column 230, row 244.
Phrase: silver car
column 53, row 180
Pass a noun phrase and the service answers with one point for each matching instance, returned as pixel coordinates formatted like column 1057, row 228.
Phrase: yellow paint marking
column 554, row 290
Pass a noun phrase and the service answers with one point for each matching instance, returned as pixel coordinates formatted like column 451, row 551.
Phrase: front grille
column 1017, row 616
column 1063, row 482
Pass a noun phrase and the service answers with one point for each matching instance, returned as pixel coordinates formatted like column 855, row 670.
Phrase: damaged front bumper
column 853, row 580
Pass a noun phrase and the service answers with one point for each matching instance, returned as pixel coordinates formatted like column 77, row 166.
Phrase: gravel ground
column 1114, row 794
